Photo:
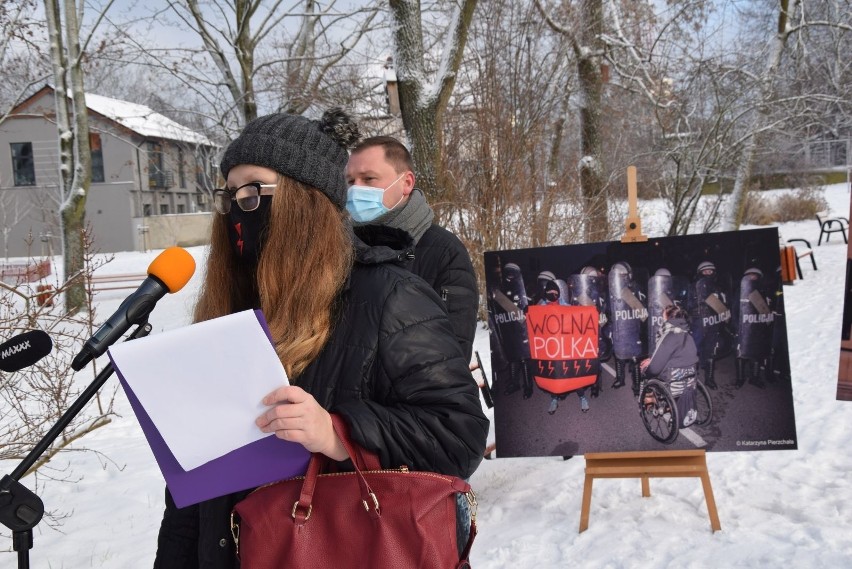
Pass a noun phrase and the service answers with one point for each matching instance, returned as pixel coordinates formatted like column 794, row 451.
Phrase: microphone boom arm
column 20, row 508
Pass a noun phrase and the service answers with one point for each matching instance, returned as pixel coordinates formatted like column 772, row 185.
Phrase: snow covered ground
column 777, row 508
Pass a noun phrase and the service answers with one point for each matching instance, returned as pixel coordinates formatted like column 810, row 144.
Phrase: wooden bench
column 802, row 253
column 829, row 225
column 100, row 283
column 645, row 465
column 24, row 272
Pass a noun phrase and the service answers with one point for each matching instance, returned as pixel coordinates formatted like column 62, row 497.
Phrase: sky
column 776, row 508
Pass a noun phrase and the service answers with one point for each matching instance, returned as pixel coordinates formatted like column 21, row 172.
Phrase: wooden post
column 644, row 465
column 633, row 232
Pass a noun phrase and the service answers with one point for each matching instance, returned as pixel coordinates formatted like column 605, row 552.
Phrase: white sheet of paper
column 202, row 384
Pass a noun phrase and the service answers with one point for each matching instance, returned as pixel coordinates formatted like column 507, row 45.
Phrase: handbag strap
column 304, row 505
column 464, row 561
column 365, row 459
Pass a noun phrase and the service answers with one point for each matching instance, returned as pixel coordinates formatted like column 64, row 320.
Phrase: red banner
column 563, row 346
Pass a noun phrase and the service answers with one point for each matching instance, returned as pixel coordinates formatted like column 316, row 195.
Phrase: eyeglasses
column 247, row 196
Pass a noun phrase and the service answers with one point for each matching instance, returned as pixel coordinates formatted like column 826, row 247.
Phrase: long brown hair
column 306, row 258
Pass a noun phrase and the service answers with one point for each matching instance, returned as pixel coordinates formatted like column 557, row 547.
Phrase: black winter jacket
column 394, row 370
column 440, row 259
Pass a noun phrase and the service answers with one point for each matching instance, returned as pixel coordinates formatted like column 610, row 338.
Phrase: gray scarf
column 414, row 217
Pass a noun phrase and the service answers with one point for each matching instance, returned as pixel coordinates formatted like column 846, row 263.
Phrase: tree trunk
column 75, row 168
column 244, row 46
column 737, row 200
column 592, row 183
column 74, row 206
column 422, row 106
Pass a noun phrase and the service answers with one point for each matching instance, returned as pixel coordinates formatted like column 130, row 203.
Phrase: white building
column 150, row 178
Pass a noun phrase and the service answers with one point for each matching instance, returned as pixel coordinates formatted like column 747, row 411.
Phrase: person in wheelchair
column 675, row 361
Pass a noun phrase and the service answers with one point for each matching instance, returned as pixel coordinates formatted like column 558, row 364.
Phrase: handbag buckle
column 474, row 505
column 375, row 503
column 235, row 533
column 307, row 514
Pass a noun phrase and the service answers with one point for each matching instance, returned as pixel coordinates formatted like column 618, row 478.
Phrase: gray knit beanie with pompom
column 310, row 151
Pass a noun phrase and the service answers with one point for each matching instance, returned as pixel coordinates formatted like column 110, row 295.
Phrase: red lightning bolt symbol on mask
column 239, row 228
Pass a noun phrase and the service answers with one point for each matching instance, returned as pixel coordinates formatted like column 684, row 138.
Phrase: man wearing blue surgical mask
column 387, row 208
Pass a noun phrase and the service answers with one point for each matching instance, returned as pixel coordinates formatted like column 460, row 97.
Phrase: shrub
column 793, row 206
column 801, row 204
column 759, row 210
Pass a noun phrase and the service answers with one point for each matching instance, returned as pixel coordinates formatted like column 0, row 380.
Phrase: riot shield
column 627, row 313
column 587, row 289
column 710, row 316
column 509, row 306
column 660, row 295
column 756, row 319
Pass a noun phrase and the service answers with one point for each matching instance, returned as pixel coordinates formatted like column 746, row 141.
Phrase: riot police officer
column 755, row 325
column 710, row 314
column 628, row 313
column 588, row 288
column 509, row 305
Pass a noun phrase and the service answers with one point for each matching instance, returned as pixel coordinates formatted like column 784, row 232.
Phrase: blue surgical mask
column 366, row 204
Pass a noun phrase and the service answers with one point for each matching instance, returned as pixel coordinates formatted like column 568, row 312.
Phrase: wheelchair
column 659, row 412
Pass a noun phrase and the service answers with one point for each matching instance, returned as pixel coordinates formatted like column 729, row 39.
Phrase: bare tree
column 585, row 39
column 760, row 116
column 773, row 105
column 511, row 170
column 676, row 118
column 426, row 83
column 72, row 124
column 22, row 61
column 255, row 54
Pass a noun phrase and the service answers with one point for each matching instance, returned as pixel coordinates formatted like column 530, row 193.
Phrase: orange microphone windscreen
column 174, row 267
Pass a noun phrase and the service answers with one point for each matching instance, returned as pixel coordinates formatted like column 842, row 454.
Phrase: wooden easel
column 644, row 465
column 633, row 232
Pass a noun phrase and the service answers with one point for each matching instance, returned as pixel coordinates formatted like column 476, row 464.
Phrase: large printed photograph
column 844, row 372
column 673, row 343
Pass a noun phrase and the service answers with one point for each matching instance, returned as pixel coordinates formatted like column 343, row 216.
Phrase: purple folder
column 267, row 460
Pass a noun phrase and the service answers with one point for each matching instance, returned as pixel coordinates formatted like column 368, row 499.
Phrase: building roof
column 132, row 116
column 143, row 120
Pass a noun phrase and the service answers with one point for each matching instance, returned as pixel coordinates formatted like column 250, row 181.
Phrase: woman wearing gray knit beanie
column 359, row 337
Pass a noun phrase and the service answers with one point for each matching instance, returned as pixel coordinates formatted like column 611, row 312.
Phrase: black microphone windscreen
column 24, row 350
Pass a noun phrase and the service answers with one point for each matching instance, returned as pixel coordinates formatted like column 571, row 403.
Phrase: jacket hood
column 679, row 323
column 377, row 244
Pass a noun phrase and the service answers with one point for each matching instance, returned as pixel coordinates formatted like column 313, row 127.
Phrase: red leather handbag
column 367, row 518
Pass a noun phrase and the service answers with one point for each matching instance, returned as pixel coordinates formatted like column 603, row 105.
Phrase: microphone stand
column 20, row 508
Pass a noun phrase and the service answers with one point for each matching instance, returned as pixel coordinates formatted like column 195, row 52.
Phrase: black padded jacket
column 440, row 259
column 394, row 370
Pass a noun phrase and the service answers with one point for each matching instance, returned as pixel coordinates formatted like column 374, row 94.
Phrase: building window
column 146, row 210
column 181, row 168
column 23, row 164
column 164, row 209
column 181, row 208
column 156, row 174
column 97, row 158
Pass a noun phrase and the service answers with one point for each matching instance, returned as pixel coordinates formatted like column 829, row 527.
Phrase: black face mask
column 247, row 229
